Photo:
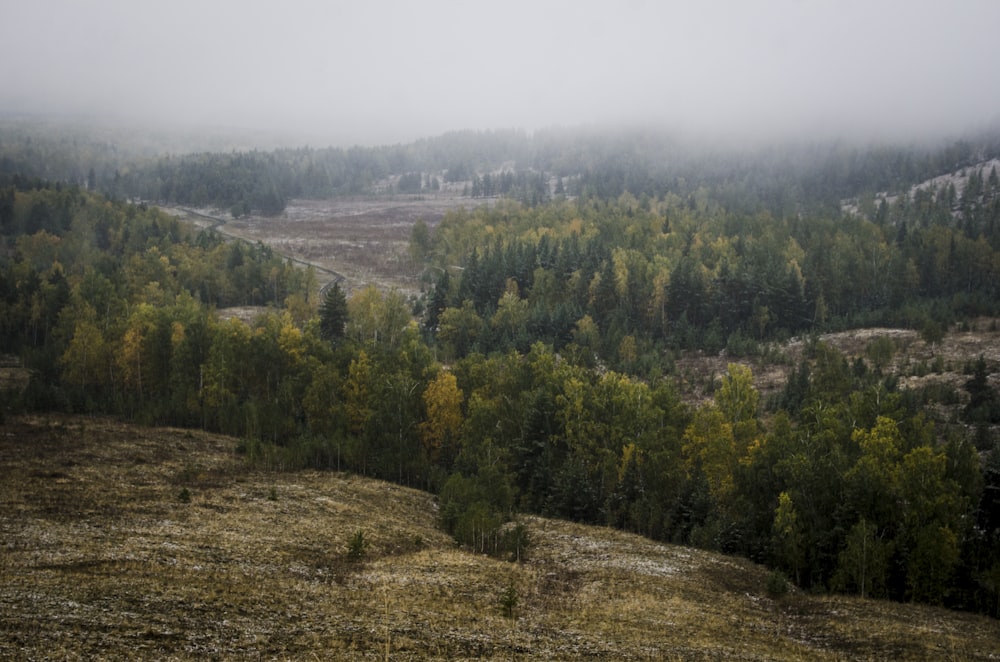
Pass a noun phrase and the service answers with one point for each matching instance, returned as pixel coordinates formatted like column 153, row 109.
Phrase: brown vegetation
column 365, row 239
column 122, row 542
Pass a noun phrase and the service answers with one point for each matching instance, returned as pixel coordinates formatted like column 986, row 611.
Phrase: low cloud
column 394, row 71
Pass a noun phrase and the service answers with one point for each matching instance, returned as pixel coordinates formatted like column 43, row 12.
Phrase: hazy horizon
column 388, row 72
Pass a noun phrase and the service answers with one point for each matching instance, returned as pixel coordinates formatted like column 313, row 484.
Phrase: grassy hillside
column 124, row 542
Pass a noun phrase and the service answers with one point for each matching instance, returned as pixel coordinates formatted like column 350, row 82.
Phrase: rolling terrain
column 124, row 542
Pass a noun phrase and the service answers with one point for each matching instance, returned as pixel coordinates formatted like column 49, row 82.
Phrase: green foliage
column 509, row 600
column 984, row 402
column 880, row 351
column 468, row 514
column 516, row 542
column 864, row 564
column 560, row 330
column 357, row 547
column 333, row 314
column 777, row 584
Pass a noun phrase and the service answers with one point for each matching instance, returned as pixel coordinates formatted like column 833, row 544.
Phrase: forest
column 538, row 371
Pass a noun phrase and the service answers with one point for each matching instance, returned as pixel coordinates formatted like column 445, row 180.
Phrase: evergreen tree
column 333, row 313
column 984, row 403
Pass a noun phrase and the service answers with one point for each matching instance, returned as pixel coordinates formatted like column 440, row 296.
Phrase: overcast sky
column 379, row 71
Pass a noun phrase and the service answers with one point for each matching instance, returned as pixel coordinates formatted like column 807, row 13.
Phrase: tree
column 87, row 360
column 135, row 360
column 333, row 313
column 374, row 318
column 358, row 389
column 395, row 427
column 788, row 532
column 226, row 376
column 984, row 403
column 870, row 485
column 322, row 404
column 737, row 399
column 459, row 329
column 509, row 320
column 932, row 563
column 863, row 564
column 443, row 420
column 711, row 450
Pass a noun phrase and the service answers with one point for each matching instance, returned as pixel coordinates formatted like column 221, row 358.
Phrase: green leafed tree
column 864, row 564
column 375, row 318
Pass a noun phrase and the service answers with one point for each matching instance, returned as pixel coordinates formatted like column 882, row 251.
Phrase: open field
column 121, row 542
column 365, row 239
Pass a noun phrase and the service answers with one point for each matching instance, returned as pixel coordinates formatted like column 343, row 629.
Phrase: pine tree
column 984, row 403
column 333, row 313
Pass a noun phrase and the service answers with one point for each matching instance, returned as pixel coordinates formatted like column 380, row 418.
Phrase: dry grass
column 365, row 239
column 103, row 558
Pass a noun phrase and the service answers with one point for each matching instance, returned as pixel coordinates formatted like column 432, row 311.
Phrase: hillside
column 124, row 542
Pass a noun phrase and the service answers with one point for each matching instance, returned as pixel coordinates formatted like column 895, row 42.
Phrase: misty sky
column 378, row 71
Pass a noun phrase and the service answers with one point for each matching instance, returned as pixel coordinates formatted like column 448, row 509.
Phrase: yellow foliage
column 177, row 333
column 443, row 402
column 87, row 357
column 710, row 446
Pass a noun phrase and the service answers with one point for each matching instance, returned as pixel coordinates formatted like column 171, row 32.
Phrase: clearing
column 362, row 239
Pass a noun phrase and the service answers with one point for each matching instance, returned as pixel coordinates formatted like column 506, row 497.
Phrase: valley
column 362, row 239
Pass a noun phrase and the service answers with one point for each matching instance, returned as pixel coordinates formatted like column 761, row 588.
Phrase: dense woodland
column 783, row 179
column 538, row 372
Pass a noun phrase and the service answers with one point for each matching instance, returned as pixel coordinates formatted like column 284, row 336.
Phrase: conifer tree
column 333, row 313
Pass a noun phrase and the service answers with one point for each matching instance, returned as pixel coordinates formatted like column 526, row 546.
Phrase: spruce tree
column 333, row 313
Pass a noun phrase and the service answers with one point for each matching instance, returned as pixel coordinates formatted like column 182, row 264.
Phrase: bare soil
column 119, row 542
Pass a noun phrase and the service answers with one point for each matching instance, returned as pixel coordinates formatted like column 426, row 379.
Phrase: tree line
column 629, row 281
column 782, row 180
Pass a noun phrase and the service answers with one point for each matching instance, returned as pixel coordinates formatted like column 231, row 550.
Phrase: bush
column 357, row 547
column 777, row 584
column 739, row 346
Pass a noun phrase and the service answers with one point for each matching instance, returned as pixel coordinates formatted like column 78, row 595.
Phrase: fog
column 383, row 71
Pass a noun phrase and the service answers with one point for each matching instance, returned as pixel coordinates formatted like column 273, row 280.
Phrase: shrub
column 508, row 600
column 357, row 547
column 777, row 584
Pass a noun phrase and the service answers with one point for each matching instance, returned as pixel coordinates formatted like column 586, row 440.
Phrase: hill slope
column 123, row 542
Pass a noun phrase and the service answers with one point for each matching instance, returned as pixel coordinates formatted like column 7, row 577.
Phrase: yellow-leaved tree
column 441, row 427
